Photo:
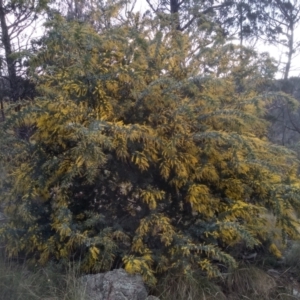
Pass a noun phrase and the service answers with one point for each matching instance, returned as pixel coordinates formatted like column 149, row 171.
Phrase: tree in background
column 283, row 20
column 17, row 19
column 99, row 14
column 187, row 14
column 271, row 21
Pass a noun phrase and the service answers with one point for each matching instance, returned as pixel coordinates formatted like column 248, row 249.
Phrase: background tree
column 99, row 14
column 245, row 20
column 183, row 15
column 283, row 20
column 17, row 19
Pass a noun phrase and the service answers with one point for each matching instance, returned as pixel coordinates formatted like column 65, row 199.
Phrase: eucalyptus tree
column 100, row 14
column 17, row 23
column 186, row 13
column 281, row 29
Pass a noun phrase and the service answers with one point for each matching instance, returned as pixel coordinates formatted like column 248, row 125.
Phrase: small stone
column 152, row 298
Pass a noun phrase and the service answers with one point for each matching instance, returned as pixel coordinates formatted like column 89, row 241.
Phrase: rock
column 152, row 298
column 114, row 285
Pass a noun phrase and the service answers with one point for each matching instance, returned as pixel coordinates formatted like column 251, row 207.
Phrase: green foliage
column 131, row 158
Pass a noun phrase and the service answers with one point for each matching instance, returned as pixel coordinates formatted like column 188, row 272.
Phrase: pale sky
column 278, row 53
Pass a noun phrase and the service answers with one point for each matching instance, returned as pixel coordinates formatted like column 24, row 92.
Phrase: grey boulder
column 115, row 285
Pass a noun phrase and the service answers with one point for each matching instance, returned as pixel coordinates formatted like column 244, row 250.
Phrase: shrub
column 130, row 158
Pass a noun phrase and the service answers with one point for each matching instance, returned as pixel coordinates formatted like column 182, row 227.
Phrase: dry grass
column 246, row 282
column 249, row 282
column 253, row 283
column 188, row 287
column 17, row 283
column 292, row 257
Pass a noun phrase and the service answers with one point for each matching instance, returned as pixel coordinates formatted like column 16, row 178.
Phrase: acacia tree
column 136, row 160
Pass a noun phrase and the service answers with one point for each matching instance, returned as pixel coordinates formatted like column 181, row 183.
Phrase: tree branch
column 151, row 6
column 188, row 24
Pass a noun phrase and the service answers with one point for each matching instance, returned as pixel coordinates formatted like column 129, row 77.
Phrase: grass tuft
column 50, row 283
column 188, row 287
column 250, row 282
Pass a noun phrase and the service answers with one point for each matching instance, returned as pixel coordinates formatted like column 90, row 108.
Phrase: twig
column 2, row 109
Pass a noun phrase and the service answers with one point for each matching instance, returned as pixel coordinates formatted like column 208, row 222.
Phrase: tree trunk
column 174, row 8
column 290, row 53
column 5, row 38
